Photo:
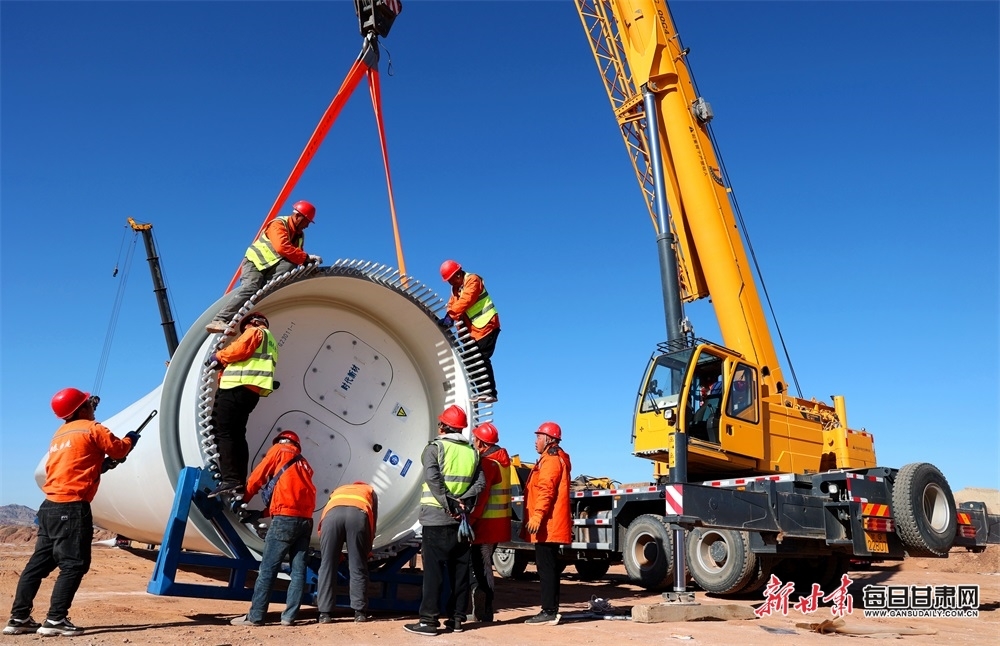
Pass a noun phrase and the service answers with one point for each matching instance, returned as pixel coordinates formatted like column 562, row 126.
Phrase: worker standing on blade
column 452, row 480
column 278, row 249
column 350, row 516
column 65, row 524
column 491, row 517
column 284, row 480
column 548, row 522
column 247, row 365
column 471, row 303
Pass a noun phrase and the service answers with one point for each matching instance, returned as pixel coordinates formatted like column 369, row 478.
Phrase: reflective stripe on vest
column 352, row 495
column 498, row 504
column 482, row 310
column 257, row 370
column 458, row 463
column 262, row 254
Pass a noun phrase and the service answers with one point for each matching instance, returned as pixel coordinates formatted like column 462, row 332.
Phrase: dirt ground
column 114, row 607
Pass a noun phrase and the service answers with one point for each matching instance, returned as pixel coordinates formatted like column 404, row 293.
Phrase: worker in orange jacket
column 278, row 248
column 490, row 518
column 472, row 304
column 247, row 366
column 548, row 521
column 284, row 480
column 80, row 452
column 350, row 516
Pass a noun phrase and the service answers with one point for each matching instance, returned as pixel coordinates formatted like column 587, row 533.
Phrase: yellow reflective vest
column 498, row 504
column 256, row 370
column 482, row 310
column 458, row 462
column 262, row 253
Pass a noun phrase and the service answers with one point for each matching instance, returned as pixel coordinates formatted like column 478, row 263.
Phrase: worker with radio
column 350, row 516
column 472, row 304
column 247, row 366
column 452, row 480
column 285, row 482
column 278, row 248
column 80, row 451
column 490, row 518
column 547, row 519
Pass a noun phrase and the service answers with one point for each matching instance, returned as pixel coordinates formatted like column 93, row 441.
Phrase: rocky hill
column 17, row 515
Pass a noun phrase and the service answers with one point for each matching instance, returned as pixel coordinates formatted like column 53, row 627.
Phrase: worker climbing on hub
column 284, row 480
column 77, row 455
column 350, row 516
column 247, row 366
column 548, row 522
column 278, row 249
column 471, row 303
column 452, row 480
column 491, row 517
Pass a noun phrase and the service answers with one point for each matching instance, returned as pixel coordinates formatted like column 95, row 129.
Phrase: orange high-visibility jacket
column 73, row 468
column 358, row 495
column 462, row 298
column 295, row 493
column 493, row 527
column 546, row 497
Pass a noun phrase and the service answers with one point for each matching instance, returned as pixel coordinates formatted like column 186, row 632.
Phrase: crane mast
column 639, row 52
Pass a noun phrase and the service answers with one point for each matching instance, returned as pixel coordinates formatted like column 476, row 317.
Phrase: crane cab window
column 705, row 399
column 663, row 389
column 742, row 399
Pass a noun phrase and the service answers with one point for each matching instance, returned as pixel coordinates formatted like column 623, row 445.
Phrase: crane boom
column 637, row 49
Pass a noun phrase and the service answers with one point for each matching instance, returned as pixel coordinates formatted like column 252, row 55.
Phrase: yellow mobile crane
column 762, row 480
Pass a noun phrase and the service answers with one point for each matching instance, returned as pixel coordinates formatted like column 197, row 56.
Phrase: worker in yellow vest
column 472, row 304
column 247, row 365
column 278, row 249
column 452, row 480
column 491, row 517
column 350, row 516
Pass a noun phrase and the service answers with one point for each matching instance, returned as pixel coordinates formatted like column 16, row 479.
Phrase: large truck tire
column 509, row 563
column 648, row 552
column 720, row 560
column 592, row 570
column 924, row 509
column 765, row 566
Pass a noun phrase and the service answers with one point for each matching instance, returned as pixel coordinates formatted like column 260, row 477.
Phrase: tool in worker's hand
column 109, row 462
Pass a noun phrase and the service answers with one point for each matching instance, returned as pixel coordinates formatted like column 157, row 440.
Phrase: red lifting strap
column 373, row 86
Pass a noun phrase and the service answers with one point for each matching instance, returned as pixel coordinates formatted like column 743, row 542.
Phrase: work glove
column 132, row 435
column 213, row 362
column 446, row 321
column 108, row 464
column 465, row 533
column 316, row 259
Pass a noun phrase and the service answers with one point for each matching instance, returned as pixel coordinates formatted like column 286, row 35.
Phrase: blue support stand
column 386, row 574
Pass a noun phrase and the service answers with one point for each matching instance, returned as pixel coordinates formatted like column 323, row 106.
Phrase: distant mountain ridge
column 17, row 515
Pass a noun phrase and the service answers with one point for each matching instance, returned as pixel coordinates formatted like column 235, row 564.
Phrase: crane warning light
column 377, row 15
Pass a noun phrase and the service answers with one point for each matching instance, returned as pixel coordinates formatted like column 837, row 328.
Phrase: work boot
column 59, row 627
column 360, row 617
column 21, row 626
column 453, row 625
column 244, row 620
column 216, row 327
column 544, row 619
column 324, row 618
column 225, row 487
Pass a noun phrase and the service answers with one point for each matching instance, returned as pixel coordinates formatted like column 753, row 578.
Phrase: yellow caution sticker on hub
column 399, row 411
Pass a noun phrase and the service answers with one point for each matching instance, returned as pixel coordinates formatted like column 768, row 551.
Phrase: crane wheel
column 924, row 509
column 720, row 560
column 765, row 566
column 648, row 552
column 509, row 563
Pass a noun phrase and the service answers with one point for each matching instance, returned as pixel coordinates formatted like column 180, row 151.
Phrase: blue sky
column 861, row 139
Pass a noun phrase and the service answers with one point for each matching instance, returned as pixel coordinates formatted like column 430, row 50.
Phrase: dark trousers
column 546, row 561
column 486, row 346
column 482, row 584
column 65, row 532
column 441, row 551
column 344, row 524
column 229, row 420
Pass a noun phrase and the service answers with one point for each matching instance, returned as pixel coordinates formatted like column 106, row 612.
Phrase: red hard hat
column 66, row 401
column 287, row 435
column 487, row 433
column 251, row 317
column 449, row 268
column 306, row 209
column 551, row 429
column 454, row 417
